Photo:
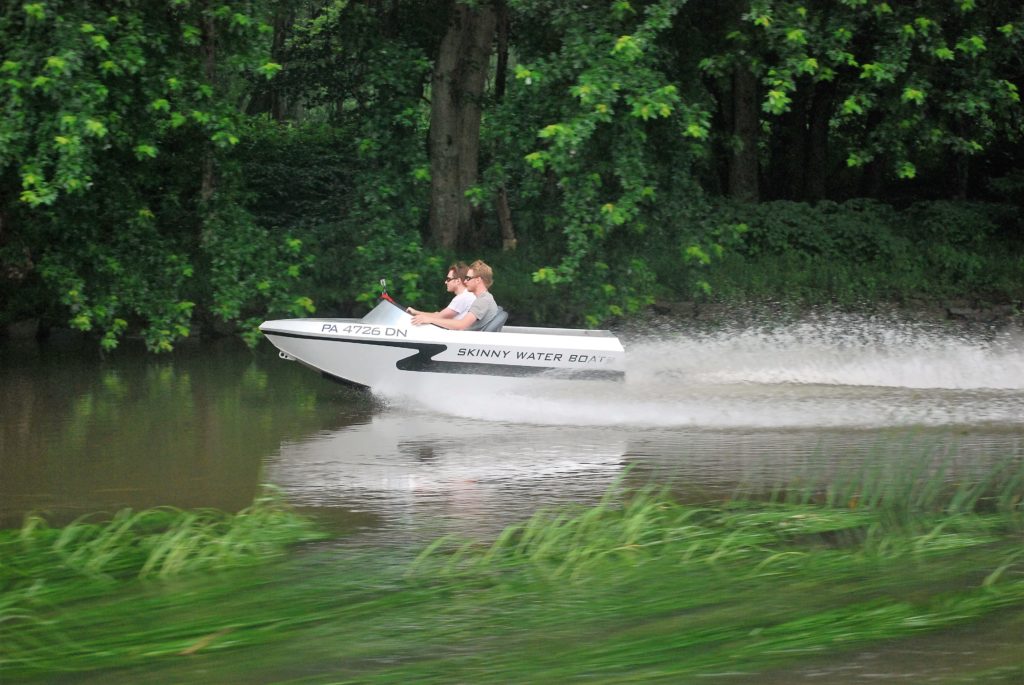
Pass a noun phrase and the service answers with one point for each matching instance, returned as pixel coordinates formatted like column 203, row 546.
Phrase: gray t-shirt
column 483, row 308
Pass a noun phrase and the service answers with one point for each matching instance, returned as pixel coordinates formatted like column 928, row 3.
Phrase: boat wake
column 858, row 354
column 826, row 373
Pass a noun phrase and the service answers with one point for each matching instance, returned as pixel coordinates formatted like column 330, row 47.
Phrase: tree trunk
column 789, row 150
column 743, row 162
column 455, row 108
column 815, row 187
column 283, row 21
column 209, row 51
column 267, row 96
column 508, row 231
column 961, row 177
column 873, row 178
column 501, row 26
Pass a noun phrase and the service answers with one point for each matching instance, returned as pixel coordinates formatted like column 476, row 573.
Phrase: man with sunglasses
column 455, row 283
column 478, row 279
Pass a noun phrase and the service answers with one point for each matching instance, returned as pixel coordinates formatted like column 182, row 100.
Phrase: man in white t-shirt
column 478, row 279
column 455, row 283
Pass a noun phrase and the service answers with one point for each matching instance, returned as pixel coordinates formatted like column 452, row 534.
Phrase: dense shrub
column 856, row 251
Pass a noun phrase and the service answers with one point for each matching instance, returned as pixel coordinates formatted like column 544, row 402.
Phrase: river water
column 708, row 412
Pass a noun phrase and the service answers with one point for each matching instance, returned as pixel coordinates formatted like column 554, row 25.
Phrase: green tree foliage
column 186, row 163
column 363, row 74
column 118, row 123
column 601, row 91
column 900, row 86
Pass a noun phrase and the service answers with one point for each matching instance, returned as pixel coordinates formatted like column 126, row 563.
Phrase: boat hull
column 384, row 348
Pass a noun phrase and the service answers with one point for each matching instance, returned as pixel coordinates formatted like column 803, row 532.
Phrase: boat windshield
column 386, row 314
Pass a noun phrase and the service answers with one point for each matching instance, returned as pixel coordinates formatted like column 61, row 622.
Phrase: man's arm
column 446, row 313
column 451, row 324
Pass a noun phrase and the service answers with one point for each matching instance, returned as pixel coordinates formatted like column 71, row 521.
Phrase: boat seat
column 494, row 324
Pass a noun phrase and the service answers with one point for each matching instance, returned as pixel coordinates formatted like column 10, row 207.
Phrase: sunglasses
column 467, row 279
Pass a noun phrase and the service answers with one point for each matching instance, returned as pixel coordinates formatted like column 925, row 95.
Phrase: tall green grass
column 638, row 588
column 154, row 543
column 892, row 510
column 43, row 568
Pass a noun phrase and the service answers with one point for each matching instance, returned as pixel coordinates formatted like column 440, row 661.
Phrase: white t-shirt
column 460, row 304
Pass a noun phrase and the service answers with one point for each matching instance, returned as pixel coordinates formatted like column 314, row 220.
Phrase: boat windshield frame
column 387, row 313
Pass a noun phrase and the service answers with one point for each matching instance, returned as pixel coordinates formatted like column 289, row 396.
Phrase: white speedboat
column 385, row 348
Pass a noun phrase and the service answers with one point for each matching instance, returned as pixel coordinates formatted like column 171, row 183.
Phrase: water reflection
column 415, row 475
column 425, row 473
column 716, row 464
column 80, row 434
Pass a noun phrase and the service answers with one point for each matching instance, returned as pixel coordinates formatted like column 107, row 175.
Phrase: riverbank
column 673, row 313
column 960, row 310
